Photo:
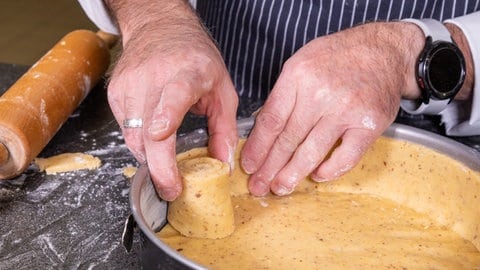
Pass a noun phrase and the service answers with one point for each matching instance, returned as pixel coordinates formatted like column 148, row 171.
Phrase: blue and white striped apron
column 257, row 36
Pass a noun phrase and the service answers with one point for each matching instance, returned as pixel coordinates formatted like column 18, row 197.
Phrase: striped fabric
column 257, row 36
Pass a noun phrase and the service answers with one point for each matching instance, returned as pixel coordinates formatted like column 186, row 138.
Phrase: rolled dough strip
column 67, row 162
column 204, row 209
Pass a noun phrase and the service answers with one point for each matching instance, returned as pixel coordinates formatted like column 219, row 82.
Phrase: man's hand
column 169, row 65
column 338, row 93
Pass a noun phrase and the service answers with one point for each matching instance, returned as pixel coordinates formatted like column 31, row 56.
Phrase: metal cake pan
column 150, row 212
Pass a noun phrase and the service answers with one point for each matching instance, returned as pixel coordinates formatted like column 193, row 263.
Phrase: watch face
column 445, row 70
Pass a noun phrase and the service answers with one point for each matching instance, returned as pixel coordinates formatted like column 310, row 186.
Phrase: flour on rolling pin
column 67, row 162
column 34, row 108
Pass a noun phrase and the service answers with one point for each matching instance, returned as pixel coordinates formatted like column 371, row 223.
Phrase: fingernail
column 158, row 126
column 168, row 194
column 248, row 166
column 281, row 190
column 319, row 179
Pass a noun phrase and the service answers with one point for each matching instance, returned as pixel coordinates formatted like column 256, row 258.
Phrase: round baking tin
column 150, row 212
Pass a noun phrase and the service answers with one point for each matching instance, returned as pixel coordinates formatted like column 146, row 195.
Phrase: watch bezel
column 424, row 62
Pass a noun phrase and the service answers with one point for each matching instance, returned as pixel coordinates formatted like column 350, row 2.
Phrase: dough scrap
column 129, row 171
column 67, row 162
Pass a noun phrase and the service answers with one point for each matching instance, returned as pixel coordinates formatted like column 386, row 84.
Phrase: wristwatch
column 440, row 70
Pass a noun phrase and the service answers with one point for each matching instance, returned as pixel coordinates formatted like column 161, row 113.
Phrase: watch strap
column 437, row 31
column 417, row 107
column 432, row 28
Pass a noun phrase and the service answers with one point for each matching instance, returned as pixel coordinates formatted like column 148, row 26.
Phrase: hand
column 167, row 68
column 343, row 89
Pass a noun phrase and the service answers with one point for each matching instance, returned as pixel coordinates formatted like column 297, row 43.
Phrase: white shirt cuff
column 462, row 118
column 98, row 13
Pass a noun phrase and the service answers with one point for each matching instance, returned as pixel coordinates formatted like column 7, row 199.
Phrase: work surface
column 75, row 220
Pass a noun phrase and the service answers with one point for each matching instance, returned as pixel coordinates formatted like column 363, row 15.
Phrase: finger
column 163, row 167
column 298, row 126
column 355, row 143
column 133, row 108
column 176, row 99
column 269, row 123
column 122, row 102
column 222, row 126
column 115, row 101
column 308, row 156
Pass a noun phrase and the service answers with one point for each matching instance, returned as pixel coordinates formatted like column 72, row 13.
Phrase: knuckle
column 205, row 65
column 311, row 161
column 113, row 95
column 130, row 101
column 186, row 92
column 270, row 122
column 112, row 98
column 294, row 67
column 322, row 144
column 287, row 142
column 182, row 84
column 374, row 121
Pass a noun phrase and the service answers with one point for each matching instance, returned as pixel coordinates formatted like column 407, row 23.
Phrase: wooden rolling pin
column 35, row 107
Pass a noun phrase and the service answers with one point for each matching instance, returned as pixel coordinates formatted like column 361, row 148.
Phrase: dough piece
column 192, row 153
column 129, row 171
column 204, row 209
column 67, row 162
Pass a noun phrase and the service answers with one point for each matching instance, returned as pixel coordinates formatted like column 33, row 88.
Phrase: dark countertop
column 75, row 220
column 70, row 220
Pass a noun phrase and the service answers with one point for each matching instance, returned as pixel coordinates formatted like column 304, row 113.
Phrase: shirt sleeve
column 98, row 13
column 462, row 118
